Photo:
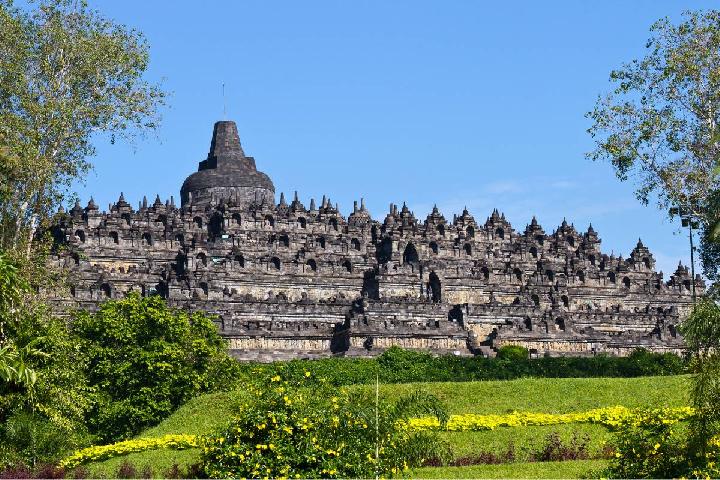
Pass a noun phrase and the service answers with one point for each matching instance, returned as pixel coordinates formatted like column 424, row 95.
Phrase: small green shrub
column 513, row 353
column 290, row 431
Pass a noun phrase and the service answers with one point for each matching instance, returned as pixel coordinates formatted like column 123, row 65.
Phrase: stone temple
column 293, row 281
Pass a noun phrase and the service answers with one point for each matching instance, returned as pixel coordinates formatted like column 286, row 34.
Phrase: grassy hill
column 550, row 395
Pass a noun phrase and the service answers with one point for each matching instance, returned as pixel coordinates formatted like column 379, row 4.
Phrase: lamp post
column 689, row 218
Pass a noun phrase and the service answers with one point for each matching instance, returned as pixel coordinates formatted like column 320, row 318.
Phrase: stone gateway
column 290, row 281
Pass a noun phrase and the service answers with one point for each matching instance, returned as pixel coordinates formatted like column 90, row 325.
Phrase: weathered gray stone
column 291, row 282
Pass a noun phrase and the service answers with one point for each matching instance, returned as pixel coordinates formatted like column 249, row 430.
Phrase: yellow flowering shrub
column 651, row 444
column 103, row 452
column 292, row 432
column 710, row 466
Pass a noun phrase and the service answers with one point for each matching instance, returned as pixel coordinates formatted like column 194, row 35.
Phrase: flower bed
column 104, row 452
column 608, row 416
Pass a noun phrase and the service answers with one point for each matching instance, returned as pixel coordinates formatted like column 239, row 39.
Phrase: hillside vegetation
column 556, row 395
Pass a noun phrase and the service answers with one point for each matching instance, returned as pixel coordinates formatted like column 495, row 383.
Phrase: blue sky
column 455, row 103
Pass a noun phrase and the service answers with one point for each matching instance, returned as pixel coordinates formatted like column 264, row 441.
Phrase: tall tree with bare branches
column 66, row 74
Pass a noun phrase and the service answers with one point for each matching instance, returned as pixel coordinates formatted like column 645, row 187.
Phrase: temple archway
column 435, row 288
column 410, row 255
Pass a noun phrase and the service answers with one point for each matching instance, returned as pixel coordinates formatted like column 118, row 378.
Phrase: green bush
column 396, row 365
column 513, row 353
column 323, row 432
column 145, row 359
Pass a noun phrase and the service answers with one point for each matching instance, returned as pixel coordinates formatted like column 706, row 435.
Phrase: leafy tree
column 66, row 74
column 710, row 243
column 660, row 122
column 145, row 360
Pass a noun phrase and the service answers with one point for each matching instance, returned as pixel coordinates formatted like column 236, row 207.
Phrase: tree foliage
column 145, row 360
column 710, row 242
column 43, row 394
column 66, row 74
column 660, row 122
column 701, row 331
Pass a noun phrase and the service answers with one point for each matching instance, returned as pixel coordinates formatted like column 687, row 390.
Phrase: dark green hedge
column 402, row 366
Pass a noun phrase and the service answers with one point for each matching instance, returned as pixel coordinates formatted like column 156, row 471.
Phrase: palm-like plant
column 8, row 359
column 14, row 363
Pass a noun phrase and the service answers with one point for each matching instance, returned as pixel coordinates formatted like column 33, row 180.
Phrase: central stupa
column 227, row 173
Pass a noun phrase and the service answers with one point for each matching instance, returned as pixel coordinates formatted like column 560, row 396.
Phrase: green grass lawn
column 558, row 395
column 571, row 469
column 551, row 395
column 199, row 416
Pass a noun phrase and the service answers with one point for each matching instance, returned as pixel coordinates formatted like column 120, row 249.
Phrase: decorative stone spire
column 296, row 205
column 225, row 140
column 312, row 205
column 359, row 216
column 77, row 210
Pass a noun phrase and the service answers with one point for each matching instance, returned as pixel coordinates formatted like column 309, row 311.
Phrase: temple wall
column 297, row 280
